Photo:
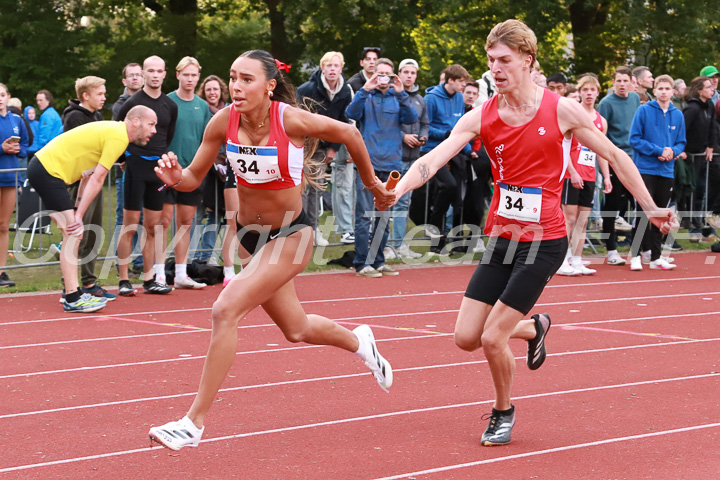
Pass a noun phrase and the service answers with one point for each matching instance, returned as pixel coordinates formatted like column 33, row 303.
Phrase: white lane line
column 241, row 327
column 386, row 415
column 352, row 299
column 624, row 299
column 552, row 450
column 336, row 377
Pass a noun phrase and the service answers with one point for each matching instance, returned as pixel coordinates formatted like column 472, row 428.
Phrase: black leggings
column 614, row 201
column 645, row 235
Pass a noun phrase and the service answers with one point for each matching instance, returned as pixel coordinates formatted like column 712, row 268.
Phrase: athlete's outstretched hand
column 664, row 219
column 168, row 169
column 384, row 199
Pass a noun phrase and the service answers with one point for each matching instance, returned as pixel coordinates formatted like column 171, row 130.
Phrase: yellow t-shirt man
column 68, row 155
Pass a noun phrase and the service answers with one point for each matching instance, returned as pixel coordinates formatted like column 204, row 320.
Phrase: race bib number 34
column 254, row 164
column 520, row 203
column 587, row 157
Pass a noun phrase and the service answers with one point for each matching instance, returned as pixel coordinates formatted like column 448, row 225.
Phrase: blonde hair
column 85, row 84
column 665, row 79
column 516, row 35
column 15, row 102
column 588, row 79
column 329, row 56
column 186, row 62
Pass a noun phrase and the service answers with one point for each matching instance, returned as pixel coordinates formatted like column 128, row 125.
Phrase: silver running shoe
column 499, row 428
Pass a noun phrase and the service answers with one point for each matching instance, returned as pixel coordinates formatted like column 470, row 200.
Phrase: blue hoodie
column 379, row 116
column 11, row 125
column 35, row 127
column 50, row 126
column 443, row 113
column 652, row 130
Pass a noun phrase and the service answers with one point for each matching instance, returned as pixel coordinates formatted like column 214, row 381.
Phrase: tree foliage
column 49, row 43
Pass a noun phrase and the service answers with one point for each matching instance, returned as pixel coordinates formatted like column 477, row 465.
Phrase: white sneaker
column 636, row 264
column 567, row 270
column 385, row 270
column 187, row 282
column 661, row 264
column 404, row 251
column 621, row 225
column 479, row 246
column 320, row 241
column 368, row 271
column 580, row 267
column 380, row 368
column 432, row 231
column 175, row 435
column 389, row 253
column 668, row 259
column 347, row 238
column 614, row 258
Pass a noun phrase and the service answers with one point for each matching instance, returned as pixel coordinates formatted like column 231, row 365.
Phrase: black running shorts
column 582, row 197
column 252, row 241
column 52, row 190
column 142, row 184
column 516, row 272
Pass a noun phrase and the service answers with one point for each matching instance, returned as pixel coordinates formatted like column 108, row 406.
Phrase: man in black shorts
column 142, row 186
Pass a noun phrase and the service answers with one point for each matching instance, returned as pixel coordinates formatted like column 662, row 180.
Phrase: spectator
column 471, row 92
column 486, row 87
column 85, row 109
column 14, row 138
column 557, row 82
column 142, row 186
column 381, row 107
column 50, row 122
column 32, row 120
column 579, row 185
column 14, row 105
column 193, row 115
column 572, row 92
column 445, row 106
column 86, row 152
column 368, row 57
column 644, row 82
column 133, row 82
column 701, row 134
column 414, row 136
column 712, row 73
column 618, row 108
column 678, row 98
column 327, row 93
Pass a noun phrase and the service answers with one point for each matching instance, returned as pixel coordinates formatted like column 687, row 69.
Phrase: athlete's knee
column 492, row 343
column 295, row 334
column 225, row 315
column 466, row 342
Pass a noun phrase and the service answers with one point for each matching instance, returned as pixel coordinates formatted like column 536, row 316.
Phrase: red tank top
column 528, row 168
column 276, row 165
column 583, row 159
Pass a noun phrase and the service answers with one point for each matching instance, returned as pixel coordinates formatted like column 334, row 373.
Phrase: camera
column 383, row 79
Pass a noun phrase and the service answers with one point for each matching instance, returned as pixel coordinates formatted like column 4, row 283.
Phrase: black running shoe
column 5, row 281
column 498, row 431
column 536, row 346
column 158, row 288
column 126, row 289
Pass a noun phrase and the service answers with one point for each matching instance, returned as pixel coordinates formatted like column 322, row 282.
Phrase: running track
column 630, row 389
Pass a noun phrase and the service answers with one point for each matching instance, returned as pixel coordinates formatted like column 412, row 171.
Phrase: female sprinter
column 264, row 136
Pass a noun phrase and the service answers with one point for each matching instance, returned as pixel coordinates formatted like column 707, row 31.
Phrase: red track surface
column 630, row 388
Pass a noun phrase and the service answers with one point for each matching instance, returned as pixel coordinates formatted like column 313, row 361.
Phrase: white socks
column 229, row 272
column 159, row 269
column 181, row 271
column 362, row 348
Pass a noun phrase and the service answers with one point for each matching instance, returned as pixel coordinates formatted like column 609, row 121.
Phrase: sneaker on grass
column 5, row 280
column 368, row 352
column 405, row 252
column 85, row 304
column 499, row 428
column 176, row 435
column 389, row 253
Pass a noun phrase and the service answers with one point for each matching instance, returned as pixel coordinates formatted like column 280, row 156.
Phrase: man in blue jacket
column 380, row 107
column 445, row 106
column 657, row 136
column 51, row 124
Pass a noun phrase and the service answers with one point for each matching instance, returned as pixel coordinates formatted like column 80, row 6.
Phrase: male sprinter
column 522, row 129
column 86, row 152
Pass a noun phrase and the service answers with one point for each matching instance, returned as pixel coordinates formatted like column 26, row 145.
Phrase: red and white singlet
column 584, row 159
column 528, row 168
column 276, row 165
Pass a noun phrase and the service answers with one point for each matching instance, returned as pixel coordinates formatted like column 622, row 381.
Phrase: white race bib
column 520, row 203
column 254, row 164
column 587, row 157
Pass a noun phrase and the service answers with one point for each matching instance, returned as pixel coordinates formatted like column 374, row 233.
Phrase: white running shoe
column 404, row 251
column 661, row 264
column 188, row 283
column 567, row 270
column 636, row 264
column 176, row 435
column 580, row 267
column 380, row 368
column 320, row 241
column 614, row 258
column 389, row 253
column 646, row 258
column 479, row 246
column 621, row 225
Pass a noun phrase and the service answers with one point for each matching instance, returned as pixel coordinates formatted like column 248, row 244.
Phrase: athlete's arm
column 169, row 170
column 572, row 119
column 467, row 129
column 300, row 124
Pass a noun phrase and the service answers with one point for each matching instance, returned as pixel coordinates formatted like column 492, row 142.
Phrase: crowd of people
column 511, row 135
